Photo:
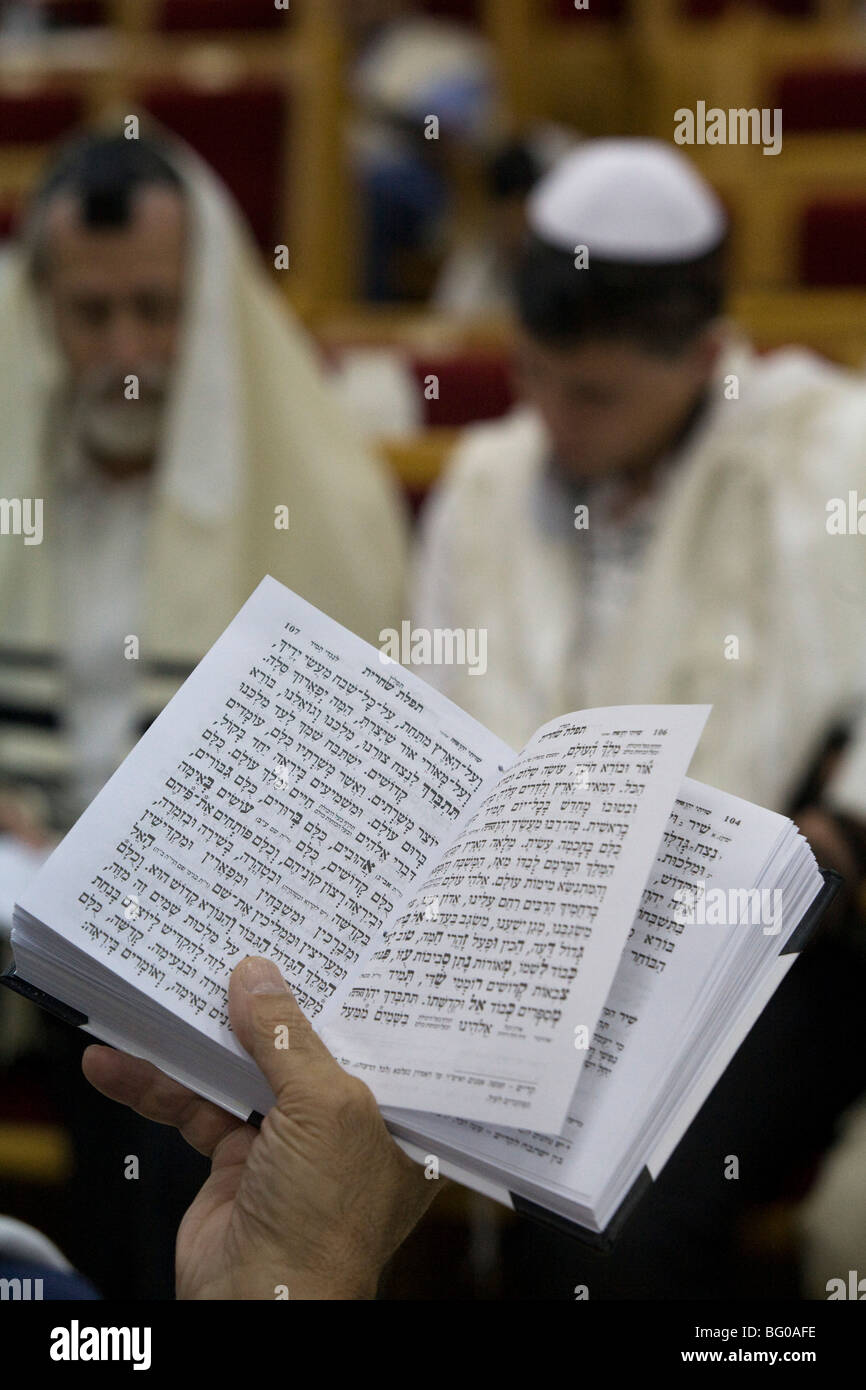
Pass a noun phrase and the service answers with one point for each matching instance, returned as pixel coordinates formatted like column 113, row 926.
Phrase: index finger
column 145, row 1089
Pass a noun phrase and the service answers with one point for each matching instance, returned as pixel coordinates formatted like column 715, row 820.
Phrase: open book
column 539, row 962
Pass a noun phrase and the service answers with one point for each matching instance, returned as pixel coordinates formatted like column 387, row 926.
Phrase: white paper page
column 475, row 1013
column 289, row 794
column 652, row 994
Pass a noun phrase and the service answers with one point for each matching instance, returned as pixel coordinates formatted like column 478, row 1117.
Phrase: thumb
column 271, row 1027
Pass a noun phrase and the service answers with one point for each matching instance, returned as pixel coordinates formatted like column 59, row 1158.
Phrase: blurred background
column 399, row 236
column 311, row 117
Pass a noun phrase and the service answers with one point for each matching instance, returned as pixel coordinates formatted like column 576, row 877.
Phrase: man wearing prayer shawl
column 652, row 522
column 167, row 440
column 667, row 517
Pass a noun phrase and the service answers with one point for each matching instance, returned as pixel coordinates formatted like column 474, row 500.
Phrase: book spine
column 813, row 914
column 65, row 1012
column 595, row 1240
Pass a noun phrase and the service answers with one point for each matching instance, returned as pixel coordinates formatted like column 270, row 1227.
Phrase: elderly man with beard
column 159, row 401
column 166, row 422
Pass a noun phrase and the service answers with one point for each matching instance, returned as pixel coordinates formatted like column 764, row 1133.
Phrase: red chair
column 462, row 11
column 9, row 219
column 194, row 16
column 790, row 9
column 78, row 14
column 472, row 386
column 825, row 98
column 241, row 132
column 832, row 250
column 703, row 9
column 609, row 11
column 687, row 9
column 38, row 117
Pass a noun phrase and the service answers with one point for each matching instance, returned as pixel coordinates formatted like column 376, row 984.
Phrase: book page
column 475, row 1012
column 713, row 842
column 284, row 802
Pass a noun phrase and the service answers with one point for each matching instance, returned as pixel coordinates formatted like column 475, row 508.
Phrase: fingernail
column 262, row 977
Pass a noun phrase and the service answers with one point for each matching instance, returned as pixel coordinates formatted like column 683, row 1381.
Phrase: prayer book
column 540, row 962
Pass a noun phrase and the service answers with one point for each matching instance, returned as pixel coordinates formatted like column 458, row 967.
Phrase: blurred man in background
column 427, row 112
column 652, row 525
column 477, row 279
column 172, row 421
column 167, row 441
column 660, row 491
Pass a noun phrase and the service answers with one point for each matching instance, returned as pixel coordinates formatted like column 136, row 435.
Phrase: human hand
column 317, row 1200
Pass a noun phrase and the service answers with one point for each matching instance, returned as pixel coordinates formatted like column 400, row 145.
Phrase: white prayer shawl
column 740, row 549
column 252, row 426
